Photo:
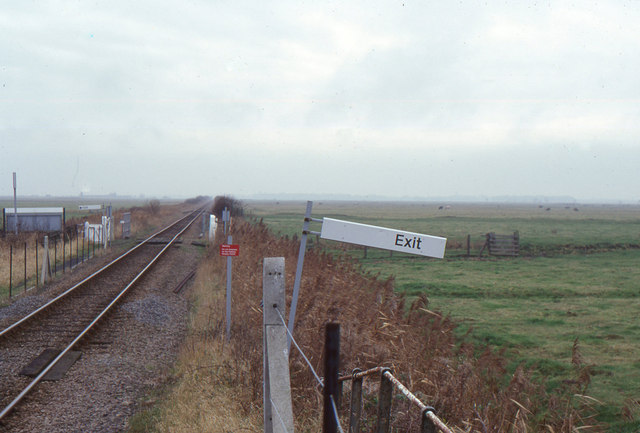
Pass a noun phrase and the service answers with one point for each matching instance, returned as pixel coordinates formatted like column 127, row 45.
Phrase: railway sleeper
column 35, row 367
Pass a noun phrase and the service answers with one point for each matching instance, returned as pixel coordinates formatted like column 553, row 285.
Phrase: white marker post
column 212, row 228
column 278, row 408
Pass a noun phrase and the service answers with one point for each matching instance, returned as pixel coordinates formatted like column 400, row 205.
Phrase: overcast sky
column 384, row 98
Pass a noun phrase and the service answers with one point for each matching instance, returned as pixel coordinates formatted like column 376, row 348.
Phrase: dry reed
column 469, row 387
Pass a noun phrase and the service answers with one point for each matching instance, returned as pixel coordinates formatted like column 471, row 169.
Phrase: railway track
column 52, row 331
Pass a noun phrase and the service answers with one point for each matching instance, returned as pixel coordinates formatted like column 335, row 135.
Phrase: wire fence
column 21, row 259
column 429, row 421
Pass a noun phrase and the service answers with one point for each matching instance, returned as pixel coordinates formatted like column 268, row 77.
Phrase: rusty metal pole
column 331, row 368
column 355, row 411
column 384, row 403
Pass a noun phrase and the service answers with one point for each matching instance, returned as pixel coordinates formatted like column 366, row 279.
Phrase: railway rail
column 60, row 324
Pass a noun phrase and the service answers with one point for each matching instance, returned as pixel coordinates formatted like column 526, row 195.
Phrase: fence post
column 55, row 255
column 37, row 262
column 10, row 269
column 64, row 245
column 427, row 426
column 331, row 368
column 468, row 245
column 384, row 403
column 278, row 409
column 356, row 403
column 25, row 266
column 46, row 265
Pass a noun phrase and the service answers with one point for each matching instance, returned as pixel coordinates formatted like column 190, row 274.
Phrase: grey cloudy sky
column 391, row 98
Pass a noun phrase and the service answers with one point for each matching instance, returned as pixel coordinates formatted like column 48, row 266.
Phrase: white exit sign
column 381, row 237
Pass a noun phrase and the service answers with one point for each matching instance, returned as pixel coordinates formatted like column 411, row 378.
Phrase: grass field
column 576, row 280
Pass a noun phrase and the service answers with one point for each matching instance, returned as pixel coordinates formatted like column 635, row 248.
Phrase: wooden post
column 37, row 262
column 25, row 266
column 384, row 403
column 331, row 368
column 365, row 252
column 468, row 245
column 55, row 256
column 278, row 408
column 426, row 425
column 355, row 411
column 10, row 269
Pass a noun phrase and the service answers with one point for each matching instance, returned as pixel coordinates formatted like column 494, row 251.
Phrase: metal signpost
column 296, row 282
column 229, row 250
column 361, row 234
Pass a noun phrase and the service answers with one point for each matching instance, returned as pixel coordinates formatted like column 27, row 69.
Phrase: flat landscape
column 571, row 297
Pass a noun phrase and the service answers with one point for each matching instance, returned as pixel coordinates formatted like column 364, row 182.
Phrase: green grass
column 577, row 279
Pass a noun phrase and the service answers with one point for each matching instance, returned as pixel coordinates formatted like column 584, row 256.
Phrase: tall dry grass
column 469, row 386
column 210, row 389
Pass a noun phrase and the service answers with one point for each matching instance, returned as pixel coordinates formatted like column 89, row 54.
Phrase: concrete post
column 46, row 265
column 278, row 409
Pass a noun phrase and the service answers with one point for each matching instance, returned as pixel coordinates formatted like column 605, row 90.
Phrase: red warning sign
column 229, row 250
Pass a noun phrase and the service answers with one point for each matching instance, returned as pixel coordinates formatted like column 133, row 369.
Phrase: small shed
column 31, row 219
